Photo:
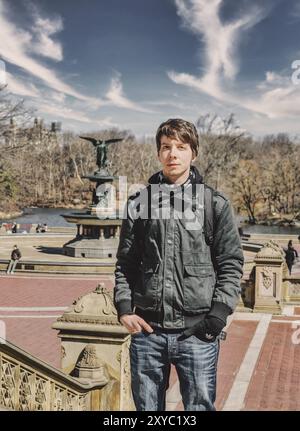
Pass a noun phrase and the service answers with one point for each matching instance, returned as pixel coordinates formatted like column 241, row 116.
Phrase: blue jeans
column 151, row 356
column 12, row 265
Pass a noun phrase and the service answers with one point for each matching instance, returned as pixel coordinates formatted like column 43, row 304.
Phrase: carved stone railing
column 27, row 383
column 266, row 285
column 90, row 329
column 291, row 289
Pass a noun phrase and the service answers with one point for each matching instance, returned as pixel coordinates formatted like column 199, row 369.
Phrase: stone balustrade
column 28, row 384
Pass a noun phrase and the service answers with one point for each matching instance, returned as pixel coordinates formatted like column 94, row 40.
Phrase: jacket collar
column 194, row 177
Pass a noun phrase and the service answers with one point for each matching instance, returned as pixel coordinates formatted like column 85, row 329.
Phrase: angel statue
column 101, row 147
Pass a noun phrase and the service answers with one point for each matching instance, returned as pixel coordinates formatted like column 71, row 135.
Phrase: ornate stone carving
column 40, row 393
column 294, row 289
column 95, row 321
column 270, row 251
column 108, row 308
column 57, row 406
column 78, row 306
column 90, row 366
column 119, row 355
column 82, row 403
column 267, row 277
column 7, row 384
column 89, row 358
column 70, row 402
column 23, row 389
column 126, row 395
column 62, row 352
column 95, row 307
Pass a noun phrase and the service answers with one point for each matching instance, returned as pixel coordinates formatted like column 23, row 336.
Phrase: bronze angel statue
column 101, row 147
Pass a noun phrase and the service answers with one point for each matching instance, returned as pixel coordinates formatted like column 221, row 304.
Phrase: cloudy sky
column 134, row 63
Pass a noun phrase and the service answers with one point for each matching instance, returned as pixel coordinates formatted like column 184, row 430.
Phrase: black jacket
column 165, row 271
column 16, row 254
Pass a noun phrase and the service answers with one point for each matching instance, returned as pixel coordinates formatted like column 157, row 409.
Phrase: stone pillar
column 95, row 345
column 269, row 263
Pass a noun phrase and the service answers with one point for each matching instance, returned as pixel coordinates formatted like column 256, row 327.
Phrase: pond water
column 53, row 217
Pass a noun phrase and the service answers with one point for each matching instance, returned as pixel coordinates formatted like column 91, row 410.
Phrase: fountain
column 98, row 228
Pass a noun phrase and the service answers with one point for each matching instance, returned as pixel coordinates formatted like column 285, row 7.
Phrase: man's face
column 175, row 157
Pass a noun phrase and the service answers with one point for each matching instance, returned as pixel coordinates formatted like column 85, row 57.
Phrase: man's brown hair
column 181, row 130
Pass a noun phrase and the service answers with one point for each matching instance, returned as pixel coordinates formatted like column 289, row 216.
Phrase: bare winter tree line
column 44, row 168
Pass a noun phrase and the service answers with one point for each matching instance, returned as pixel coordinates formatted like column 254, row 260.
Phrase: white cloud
column 116, row 96
column 3, row 80
column 274, row 79
column 295, row 10
column 62, row 111
column 44, row 45
column 58, row 97
column 18, row 48
column 107, row 122
column 45, row 87
column 14, row 49
column 20, row 87
column 220, row 42
column 279, row 101
column 275, row 96
column 174, row 104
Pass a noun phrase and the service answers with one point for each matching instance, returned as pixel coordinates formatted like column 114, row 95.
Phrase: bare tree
column 246, row 187
column 12, row 111
column 221, row 144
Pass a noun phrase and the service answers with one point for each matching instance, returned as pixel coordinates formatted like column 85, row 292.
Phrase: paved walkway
column 43, row 247
column 29, row 306
column 259, row 365
column 48, row 247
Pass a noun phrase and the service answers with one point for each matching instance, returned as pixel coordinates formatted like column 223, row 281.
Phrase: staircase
column 29, row 384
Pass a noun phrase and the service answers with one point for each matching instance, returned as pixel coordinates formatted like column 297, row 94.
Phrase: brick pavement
column 232, row 353
column 45, row 291
column 231, row 356
column 35, row 336
column 33, row 333
column 274, row 383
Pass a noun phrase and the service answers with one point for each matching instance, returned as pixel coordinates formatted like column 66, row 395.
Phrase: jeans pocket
column 205, row 340
column 136, row 334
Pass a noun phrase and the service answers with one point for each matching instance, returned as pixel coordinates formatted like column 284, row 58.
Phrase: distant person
column 14, row 259
column 290, row 255
column 14, row 228
column 44, row 228
column 38, row 228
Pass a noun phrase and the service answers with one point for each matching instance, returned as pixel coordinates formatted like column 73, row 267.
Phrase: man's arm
column 127, row 266
column 126, row 274
column 227, row 254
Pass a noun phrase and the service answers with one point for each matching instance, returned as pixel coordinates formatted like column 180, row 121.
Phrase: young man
column 174, row 288
column 14, row 259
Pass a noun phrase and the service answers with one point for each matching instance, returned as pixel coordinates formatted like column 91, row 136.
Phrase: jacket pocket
column 198, row 286
column 146, row 292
